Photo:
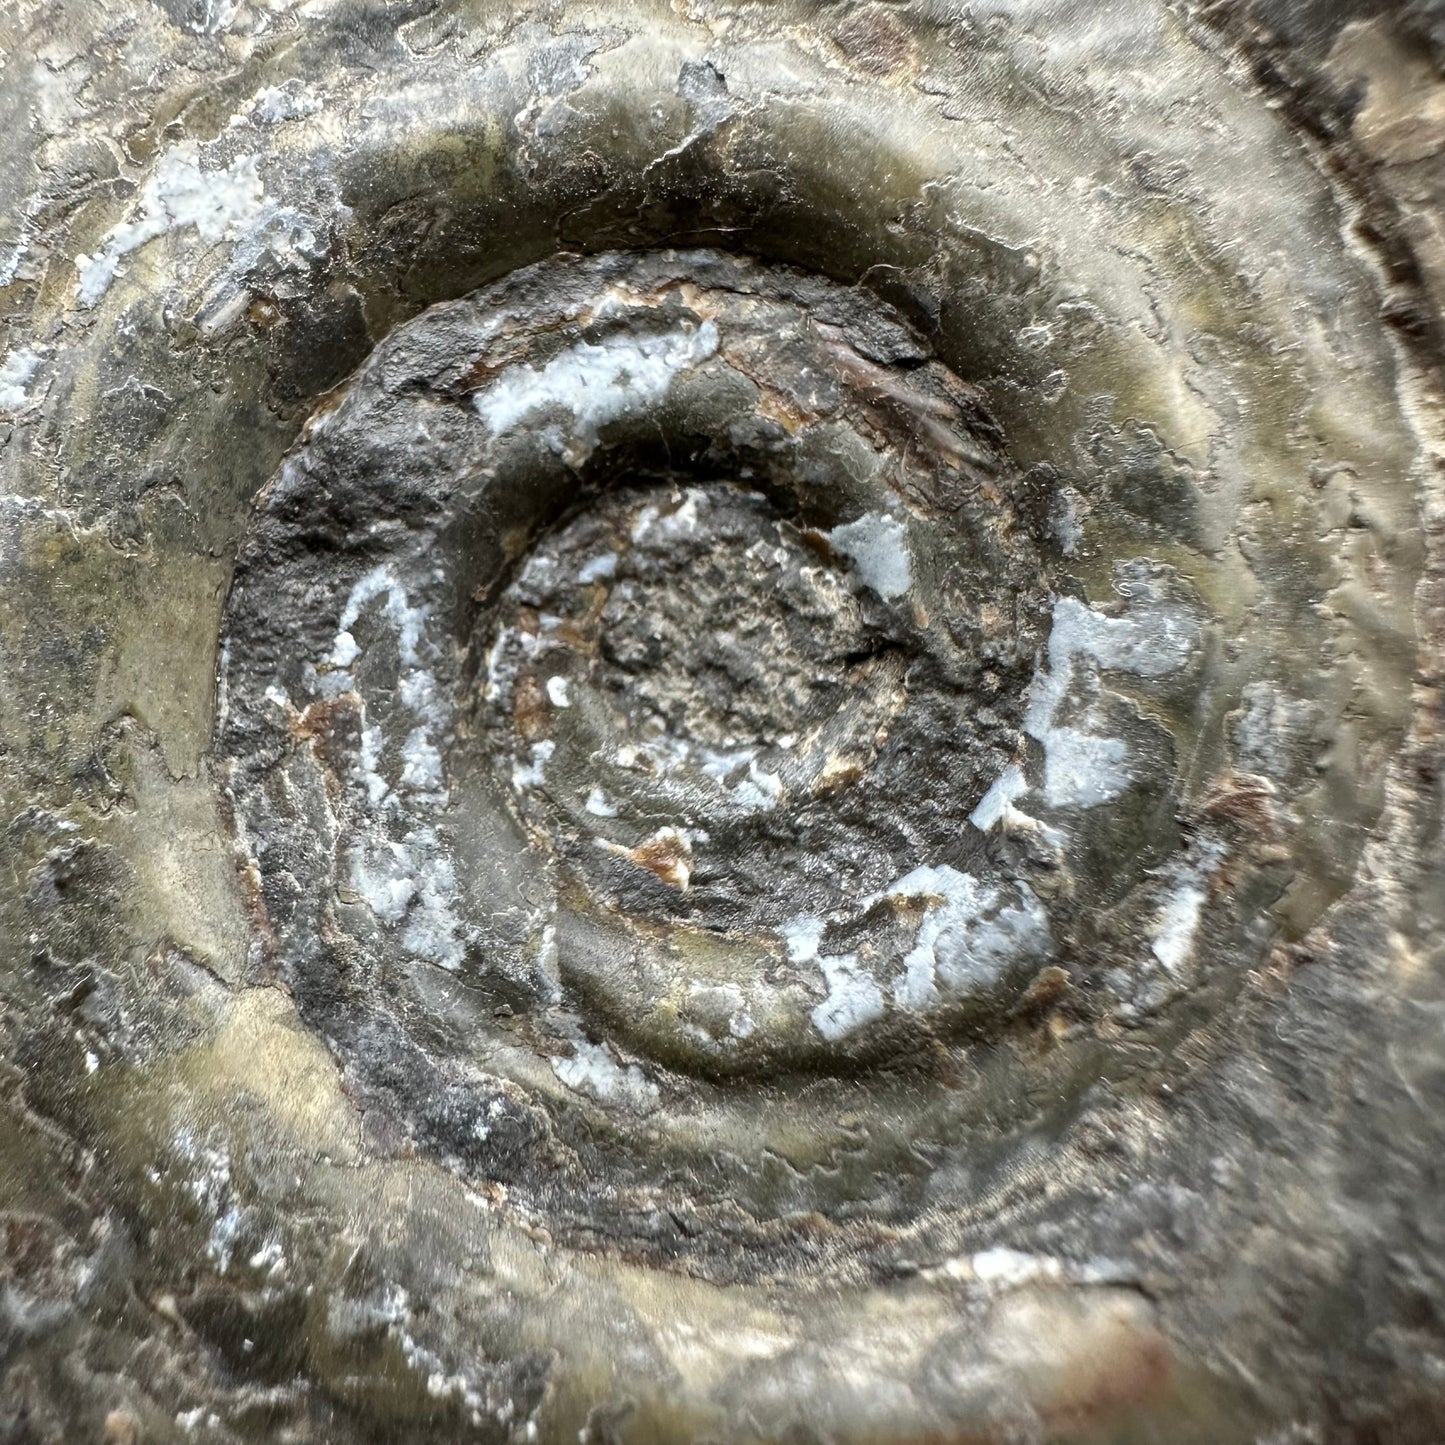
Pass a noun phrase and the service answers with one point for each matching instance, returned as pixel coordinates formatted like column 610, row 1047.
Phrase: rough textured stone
column 720, row 721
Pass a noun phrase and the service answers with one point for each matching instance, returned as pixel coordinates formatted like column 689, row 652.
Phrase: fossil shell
column 717, row 724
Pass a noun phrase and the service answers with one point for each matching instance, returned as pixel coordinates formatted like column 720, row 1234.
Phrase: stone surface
column 721, row 722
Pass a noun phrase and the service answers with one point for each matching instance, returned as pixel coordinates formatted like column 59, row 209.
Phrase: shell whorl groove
column 652, row 683
column 694, row 681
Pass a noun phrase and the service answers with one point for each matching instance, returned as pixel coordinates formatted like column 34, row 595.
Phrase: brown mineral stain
column 783, row 409
column 121, row 1428
column 876, row 42
column 530, row 713
column 1048, row 986
column 1121, row 1369
column 840, row 771
column 1244, row 798
column 667, row 854
column 333, row 728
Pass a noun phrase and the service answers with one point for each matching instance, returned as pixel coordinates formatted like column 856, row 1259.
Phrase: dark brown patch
column 876, row 42
column 668, row 855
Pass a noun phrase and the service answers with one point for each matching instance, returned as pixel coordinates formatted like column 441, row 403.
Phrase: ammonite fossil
column 719, row 723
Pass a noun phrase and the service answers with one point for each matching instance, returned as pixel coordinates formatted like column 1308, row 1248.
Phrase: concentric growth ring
column 652, row 684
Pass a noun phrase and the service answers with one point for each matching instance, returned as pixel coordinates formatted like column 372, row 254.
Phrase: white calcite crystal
column 877, row 546
column 180, row 193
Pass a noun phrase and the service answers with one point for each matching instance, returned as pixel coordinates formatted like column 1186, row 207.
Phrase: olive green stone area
column 718, row 721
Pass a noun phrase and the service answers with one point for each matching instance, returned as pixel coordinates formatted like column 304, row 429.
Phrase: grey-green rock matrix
column 721, row 721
